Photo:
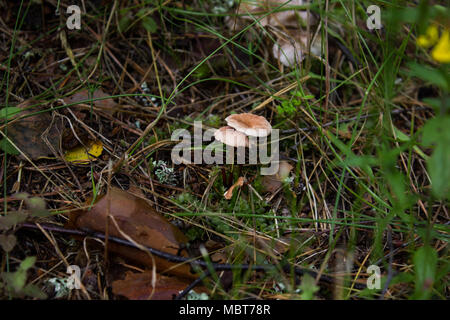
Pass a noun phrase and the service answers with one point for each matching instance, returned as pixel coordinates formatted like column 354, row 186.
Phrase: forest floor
column 361, row 115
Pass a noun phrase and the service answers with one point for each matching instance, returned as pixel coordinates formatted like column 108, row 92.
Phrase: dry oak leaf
column 138, row 286
column 34, row 135
column 140, row 221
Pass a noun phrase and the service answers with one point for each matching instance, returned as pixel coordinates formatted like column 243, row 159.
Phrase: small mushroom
column 240, row 127
column 231, row 137
column 250, row 124
column 290, row 51
column 229, row 193
column 272, row 183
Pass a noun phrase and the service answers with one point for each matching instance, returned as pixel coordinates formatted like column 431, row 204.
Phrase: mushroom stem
column 230, row 176
column 224, row 177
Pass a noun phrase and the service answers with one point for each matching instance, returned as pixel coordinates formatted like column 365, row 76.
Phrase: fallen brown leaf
column 138, row 286
column 7, row 242
column 138, row 220
column 108, row 105
column 34, row 135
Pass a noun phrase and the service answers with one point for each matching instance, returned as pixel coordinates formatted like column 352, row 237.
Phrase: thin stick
column 195, row 283
column 299, row 271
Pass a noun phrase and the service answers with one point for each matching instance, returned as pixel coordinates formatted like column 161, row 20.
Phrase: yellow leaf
column 429, row 38
column 441, row 52
column 82, row 155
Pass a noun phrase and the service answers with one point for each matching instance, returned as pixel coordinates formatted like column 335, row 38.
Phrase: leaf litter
column 291, row 30
column 34, row 132
column 140, row 221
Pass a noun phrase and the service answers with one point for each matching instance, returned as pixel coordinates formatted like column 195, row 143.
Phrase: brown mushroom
column 291, row 50
column 231, row 137
column 274, row 182
column 250, row 124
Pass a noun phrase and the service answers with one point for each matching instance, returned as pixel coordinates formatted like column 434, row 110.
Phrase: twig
column 173, row 258
column 195, row 283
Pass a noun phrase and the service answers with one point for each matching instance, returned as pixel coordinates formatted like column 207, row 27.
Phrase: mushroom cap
column 250, row 124
column 272, row 183
column 293, row 49
column 287, row 18
column 284, row 169
column 231, row 137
